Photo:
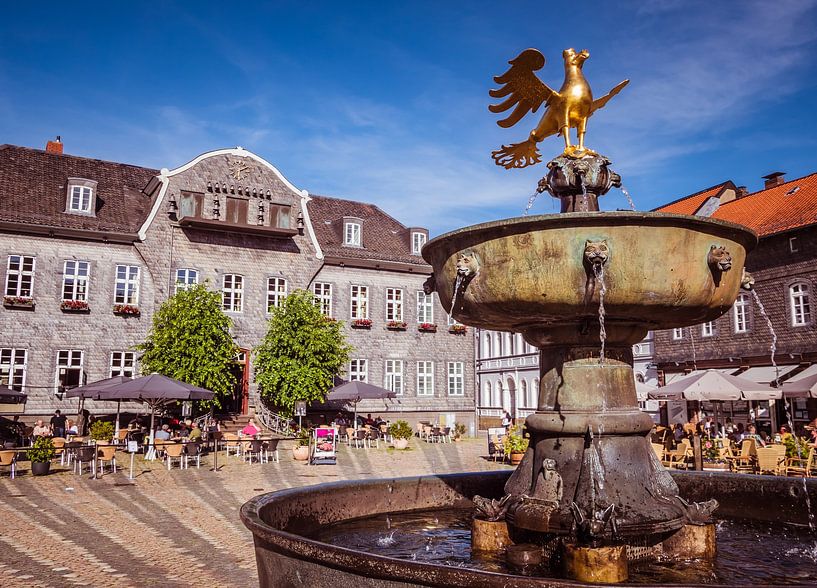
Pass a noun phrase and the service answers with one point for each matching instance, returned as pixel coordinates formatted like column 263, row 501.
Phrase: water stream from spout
column 598, row 270
column 773, row 346
column 629, row 199
column 457, row 284
column 531, row 199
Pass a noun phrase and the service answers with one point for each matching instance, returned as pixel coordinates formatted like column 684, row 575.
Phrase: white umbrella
column 803, row 387
column 713, row 385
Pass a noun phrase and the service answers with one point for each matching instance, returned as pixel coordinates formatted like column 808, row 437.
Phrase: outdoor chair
column 771, row 459
column 107, row 453
column 658, row 448
column 745, row 462
column 192, row 451
column 85, row 454
column 232, row 443
column 802, row 467
column 122, row 436
column 272, row 449
column 174, row 451
column 418, row 430
column 8, row 458
column 69, row 452
column 255, row 449
column 445, row 435
column 384, row 432
column 59, row 447
column 373, row 436
column 434, row 435
column 495, row 447
column 426, row 434
column 360, row 438
column 159, row 446
column 677, row 458
column 350, row 435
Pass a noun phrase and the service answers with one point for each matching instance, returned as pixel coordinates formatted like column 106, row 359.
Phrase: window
column 456, row 378
column 75, row 281
column 123, row 363
column 351, row 232
column 191, row 204
column 800, row 305
column 677, row 334
column 13, row 368
column 486, row 347
column 794, row 245
column 276, row 292
column 360, row 302
column 126, row 287
column 486, row 395
column 323, row 297
column 708, row 329
column 417, row 241
column 20, row 276
column 79, row 199
column 741, row 314
column 186, row 279
column 279, row 215
column 232, row 292
column 425, row 307
column 394, row 304
column 425, row 378
column 69, row 369
column 359, row 370
column 393, row 377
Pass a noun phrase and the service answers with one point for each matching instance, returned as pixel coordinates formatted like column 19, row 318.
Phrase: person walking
column 58, row 424
column 506, row 420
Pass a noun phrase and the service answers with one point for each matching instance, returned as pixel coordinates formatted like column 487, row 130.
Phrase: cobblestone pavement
column 173, row 528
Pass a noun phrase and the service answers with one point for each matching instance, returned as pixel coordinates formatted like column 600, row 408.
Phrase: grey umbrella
column 355, row 391
column 803, row 387
column 94, row 389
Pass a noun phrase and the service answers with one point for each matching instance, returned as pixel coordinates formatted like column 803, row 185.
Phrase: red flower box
column 74, row 306
column 458, row 329
column 362, row 324
column 427, row 328
column 18, row 302
column 396, row 326
column 126, row 309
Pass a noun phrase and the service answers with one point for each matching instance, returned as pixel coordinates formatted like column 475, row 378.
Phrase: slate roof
column 774, row 210
column 690, row 204
column 384, row 238
column 33, row 190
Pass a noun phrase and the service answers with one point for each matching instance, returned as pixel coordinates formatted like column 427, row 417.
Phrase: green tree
column 190, row 341
column 300, row 354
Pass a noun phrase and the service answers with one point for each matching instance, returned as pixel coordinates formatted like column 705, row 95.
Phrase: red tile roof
column 384, row 238
column 777, row 209
column 690, row 204
column 33, row 190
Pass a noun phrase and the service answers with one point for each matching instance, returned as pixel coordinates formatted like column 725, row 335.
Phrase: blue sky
column 387, row 101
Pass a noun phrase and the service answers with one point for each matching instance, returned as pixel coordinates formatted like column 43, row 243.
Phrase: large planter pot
column 40, row 468
column 516, row 458
column 401, row 443
column 300, row 452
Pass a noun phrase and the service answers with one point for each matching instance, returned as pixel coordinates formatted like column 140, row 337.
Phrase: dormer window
column 418, row 239
column 352, row 232
column 81, row 196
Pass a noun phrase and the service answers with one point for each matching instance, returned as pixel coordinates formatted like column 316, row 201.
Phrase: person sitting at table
column 163, row 434
column 182, row 431
column 369, row 420
column 41, row 429
column 71, row 428
column 195, row 432
column 784, row 433
column 751, row 433
column 250, row 430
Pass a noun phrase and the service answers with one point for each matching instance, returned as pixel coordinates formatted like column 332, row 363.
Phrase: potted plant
column 126, row 309
column 74, row 306
column 489, row 531
column 362, row 323
column 427, row 328
column 713, row 455
column 41, row 453
column 515, row 445
column 459, row 431
column 102, row 431
column 400, row 432
column 26, row 302
column 458, row 329
column 300, row 451
column 396, row 326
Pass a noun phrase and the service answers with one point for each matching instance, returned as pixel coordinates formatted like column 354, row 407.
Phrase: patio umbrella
column 11, row 401
column 355, row 391
column 643, row 391
column 93, row 390
column 804, row 387
column 713, row 385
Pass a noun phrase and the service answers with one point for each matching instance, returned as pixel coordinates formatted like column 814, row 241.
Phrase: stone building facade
column 784, row 267
column 93, row 248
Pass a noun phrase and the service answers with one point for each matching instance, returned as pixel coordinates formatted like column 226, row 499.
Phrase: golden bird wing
column 602, row 102
column 525, row 91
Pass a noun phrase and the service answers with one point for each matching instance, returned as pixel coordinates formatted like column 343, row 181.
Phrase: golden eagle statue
column 568, row 108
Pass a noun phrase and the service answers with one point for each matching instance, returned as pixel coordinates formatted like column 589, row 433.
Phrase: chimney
column 774, row 179
column 54, row 147
column 741, row 192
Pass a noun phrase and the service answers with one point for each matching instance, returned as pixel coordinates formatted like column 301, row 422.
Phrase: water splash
column 387, row 540
column 457, row 286
column 531, row 199
column 598, row 270
column 773, row 346
column 629, row 199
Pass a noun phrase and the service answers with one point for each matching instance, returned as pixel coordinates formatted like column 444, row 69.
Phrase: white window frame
column 418, row 239
column 186, row 278
column 126, row 285
column 708, row 329
column 425, row 307
column 800, row 304
column 794, row 246
column 456, row 378
column 358, row 301
column 232, row 295
column 80, row 283
column 740, row 313
column 69, row 359
column 276, row 292
column 80, row 198
column 394, row 304
column 359, row 370
column 393, row 376
column 323, row 297
column 15, row 267
column 123, row 363
column 352, row 234
column 425, row 378
column 677, row 334
column 13, row 367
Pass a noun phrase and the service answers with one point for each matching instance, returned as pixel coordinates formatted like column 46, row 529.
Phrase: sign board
column 300, row 408
column 324, row 449
column 187, row 408
column 133, row 446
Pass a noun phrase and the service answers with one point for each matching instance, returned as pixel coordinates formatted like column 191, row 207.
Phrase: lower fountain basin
column 283, row 522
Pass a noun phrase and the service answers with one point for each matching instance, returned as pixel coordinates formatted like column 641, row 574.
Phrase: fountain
column 582, row 286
